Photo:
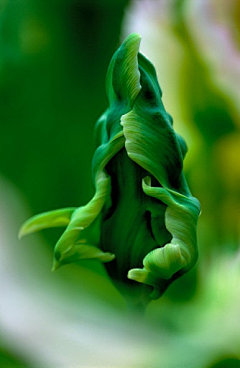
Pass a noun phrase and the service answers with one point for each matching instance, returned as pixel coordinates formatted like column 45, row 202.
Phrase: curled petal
column 150, row 139
column 123, row 77
column 181, row 253
column 122, row 86
column 80, row 252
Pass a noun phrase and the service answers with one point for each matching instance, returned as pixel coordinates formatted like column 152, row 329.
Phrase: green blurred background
column 54, row 56
column 53, row 61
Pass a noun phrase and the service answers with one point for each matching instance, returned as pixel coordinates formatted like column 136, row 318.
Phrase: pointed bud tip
column 134, row 35
column 56, row 265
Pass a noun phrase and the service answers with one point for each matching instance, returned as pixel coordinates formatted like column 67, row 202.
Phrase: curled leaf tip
column 56, row 218
column 21, row 233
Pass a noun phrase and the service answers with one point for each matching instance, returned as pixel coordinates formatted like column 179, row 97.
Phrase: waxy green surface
column 142, row 219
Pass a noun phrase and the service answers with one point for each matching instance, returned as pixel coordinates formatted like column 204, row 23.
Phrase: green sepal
column 56, row 218
column 84, row 229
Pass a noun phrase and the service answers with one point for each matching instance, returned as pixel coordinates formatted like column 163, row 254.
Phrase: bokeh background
column 53, row 60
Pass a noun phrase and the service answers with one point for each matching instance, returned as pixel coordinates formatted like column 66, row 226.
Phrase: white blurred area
column 214, row 28
column 154, row 21
column 211, row 28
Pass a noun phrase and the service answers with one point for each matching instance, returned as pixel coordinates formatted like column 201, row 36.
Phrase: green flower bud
column 142, row 219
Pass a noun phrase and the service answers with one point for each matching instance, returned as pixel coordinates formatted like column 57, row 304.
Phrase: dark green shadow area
column 53, row 61
column 226, row 363
column 9, row 360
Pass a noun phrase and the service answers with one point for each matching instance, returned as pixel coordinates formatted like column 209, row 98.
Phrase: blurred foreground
column 76, row 318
